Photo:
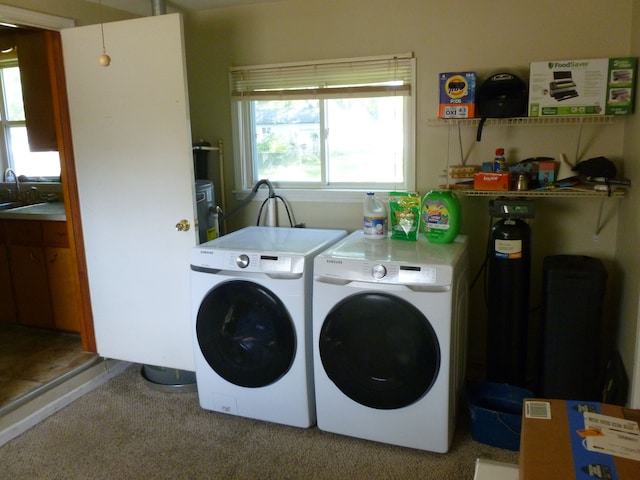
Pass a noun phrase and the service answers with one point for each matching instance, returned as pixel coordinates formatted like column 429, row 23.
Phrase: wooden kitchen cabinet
column 29, row 273
column 33, row 60
column 45, row 290
column 30, row 286
column 63, row 288
column 7, row 306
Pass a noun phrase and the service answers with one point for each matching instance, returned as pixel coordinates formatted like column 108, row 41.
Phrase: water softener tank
column 205, row 206
column 508, row 302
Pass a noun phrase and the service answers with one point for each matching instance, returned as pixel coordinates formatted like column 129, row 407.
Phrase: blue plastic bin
column 496, row 414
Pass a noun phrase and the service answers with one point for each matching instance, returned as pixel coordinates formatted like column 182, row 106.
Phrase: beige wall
column 445, row 36
column 627, row 255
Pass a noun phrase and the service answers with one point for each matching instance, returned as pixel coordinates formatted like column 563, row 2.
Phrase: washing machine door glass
column 379, row 350
column 245, row 333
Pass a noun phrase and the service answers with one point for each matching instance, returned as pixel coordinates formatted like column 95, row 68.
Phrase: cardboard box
column 572, row 440
column 457, row 95
column 621, row 87
column 581, row 87
column 546, row 173
column 463, row 171
column 491, row 181
column 492, row 470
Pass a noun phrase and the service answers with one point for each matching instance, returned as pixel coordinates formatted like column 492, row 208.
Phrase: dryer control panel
column 392, row 262
column 382, row 272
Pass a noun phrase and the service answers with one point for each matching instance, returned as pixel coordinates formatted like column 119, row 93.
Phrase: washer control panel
column 246, row 261
column 260, row 262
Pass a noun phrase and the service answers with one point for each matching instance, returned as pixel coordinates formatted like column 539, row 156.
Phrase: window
column 339, row 125
column 15, row 150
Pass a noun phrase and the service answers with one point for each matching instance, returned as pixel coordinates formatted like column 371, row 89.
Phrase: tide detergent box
column 457, row 95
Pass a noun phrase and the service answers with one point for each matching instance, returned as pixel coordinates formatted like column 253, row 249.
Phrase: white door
column 132, row 146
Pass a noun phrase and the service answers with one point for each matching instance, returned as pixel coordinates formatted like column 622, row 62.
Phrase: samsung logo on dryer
column 337, row 262
column 207, row 252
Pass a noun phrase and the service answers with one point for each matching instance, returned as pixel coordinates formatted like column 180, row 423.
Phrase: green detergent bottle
column 441, row 216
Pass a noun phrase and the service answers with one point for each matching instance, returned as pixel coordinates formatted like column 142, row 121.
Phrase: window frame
column 6, row 160
column 10, row 144
column 244, row 131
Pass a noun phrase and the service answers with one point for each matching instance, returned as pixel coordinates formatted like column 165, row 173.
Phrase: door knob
column 183, row 225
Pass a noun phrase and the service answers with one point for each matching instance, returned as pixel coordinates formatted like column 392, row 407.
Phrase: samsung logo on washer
column 207, row 252
column 337, row 262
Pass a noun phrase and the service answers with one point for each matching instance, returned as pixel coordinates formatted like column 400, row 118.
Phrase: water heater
column 205, row 207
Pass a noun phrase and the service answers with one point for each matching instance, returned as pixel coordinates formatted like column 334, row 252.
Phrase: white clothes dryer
column 251, row 313
column 389, row 338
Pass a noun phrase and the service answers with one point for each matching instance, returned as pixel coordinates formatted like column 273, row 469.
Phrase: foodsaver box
column 457, row 95
column 622, row 85
column 595, row 86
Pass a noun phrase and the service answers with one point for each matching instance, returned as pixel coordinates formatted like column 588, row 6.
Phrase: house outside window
column 338, row 125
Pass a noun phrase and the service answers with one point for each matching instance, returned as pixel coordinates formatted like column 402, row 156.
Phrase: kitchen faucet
column 11, row 171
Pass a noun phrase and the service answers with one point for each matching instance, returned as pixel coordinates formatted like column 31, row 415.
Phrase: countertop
column 39, row 211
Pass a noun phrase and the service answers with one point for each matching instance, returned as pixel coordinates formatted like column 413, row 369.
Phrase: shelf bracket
column 599, row 225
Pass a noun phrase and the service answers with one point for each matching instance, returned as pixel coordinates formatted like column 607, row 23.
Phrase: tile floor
column 32, row 357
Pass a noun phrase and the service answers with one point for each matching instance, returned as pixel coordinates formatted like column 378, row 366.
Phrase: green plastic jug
column 441, row 216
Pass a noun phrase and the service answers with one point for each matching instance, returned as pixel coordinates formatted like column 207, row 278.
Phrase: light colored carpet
column 126, row 430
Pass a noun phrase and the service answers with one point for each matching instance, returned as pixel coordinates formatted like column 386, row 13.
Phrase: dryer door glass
column 379, row 350
column 245, row 333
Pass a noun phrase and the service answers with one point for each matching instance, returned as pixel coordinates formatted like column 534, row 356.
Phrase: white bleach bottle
column 375, row 218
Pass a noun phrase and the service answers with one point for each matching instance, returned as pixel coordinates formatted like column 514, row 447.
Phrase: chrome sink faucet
column 11, row 171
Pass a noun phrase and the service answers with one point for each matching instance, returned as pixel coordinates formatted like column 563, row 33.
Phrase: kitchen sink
column 10, row 205
column 15, row 205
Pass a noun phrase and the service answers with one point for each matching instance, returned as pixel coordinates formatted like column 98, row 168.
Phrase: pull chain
column 103, row 59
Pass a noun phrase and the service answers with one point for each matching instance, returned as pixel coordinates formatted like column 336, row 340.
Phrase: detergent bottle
column 441, row 216
column 375, row 218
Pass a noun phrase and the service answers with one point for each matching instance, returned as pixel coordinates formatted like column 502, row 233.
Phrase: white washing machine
column 389, row 339
column 251, row 312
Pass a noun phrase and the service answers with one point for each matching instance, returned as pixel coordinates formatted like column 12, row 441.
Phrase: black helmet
column 502, row 95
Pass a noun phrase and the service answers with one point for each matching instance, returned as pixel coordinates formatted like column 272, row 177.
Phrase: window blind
column 357, row 77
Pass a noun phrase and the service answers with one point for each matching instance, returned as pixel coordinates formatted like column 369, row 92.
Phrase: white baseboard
column 18, row 421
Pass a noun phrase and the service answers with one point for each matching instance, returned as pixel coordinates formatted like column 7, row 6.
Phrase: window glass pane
column 31, row 164
column 365, row 140
column 13, row 94
column 287, row 140
column 338, row 124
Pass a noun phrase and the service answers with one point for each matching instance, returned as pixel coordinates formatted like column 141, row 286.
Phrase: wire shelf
column 564, row 192
column 523, row 121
